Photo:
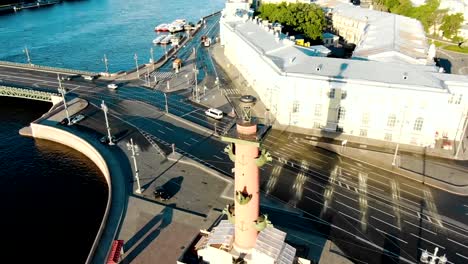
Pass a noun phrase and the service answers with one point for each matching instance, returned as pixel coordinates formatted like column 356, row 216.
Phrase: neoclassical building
column 395, row 102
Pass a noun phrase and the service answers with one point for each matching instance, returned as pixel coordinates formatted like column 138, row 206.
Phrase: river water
column 54, row 197
column 77, row 34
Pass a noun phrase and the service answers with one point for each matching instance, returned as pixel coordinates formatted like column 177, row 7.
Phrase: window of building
column 365, row 119
column 318, row 110
column 391, row 121
column 418, row 124
column 341, row 113
column 296, row 106
column 455, row 99
column 331, row 94
column 343, row 94
column 363, row 132
column 388, row 136
column 451, row 99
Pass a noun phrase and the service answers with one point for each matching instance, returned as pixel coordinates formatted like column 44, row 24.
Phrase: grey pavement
column 453, row 62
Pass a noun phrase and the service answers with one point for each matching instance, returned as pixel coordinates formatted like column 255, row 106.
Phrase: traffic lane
column 380, row 223
column 178, row 105
column 183, row 138
column 30, row 74
column 49, row 83
column 380, row 180
column 394, row 200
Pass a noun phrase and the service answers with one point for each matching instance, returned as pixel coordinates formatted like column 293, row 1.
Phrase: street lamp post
column 105, row 63
column 105, row 110
column 427, row 257
column 152, row 57
column 62, row 92
column 195, row 73
column 26, row 51
column 136, row 64
column 134, row 149
column 167, row 107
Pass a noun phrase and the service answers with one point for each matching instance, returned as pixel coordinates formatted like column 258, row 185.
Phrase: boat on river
column 166, row 40
column 158, row 39
column 162, row 28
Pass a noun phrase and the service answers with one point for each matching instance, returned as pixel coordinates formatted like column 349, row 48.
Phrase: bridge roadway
column 374, row 215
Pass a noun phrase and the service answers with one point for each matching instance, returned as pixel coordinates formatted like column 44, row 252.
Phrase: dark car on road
column 161, row 193
column 105, row 139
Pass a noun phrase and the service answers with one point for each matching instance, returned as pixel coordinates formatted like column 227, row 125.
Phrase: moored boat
column 162, row 28
column 158, row 39
column 166, row 40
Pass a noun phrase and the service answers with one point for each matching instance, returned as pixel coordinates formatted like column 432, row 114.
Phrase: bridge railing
column 27, row 93
column 47, row 68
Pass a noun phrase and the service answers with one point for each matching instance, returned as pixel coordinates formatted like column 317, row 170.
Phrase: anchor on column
column 243, row 197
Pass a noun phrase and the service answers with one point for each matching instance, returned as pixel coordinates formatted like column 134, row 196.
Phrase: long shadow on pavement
column 147, row 234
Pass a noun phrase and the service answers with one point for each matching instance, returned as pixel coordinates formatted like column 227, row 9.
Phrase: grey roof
column 291, row 60
column 387, row 32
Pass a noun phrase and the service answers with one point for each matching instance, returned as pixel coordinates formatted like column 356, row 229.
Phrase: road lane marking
column 194, row 139
column 187, row 143
column 385, row 222
column 357, row 220
column 391, row 235
column 427, row 230
column 348, row 206
column 457, row 242
column 458, row 254
column 162, row 132
column 428, row 241
column 218, row 157
column 168, row 128
column 381, row 211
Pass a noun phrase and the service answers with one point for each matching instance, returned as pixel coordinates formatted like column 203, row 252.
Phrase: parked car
column 112, row 86
column 77, row 118
column 88, row 77
column 105, row 139
column 214, row 113
column 161, row 193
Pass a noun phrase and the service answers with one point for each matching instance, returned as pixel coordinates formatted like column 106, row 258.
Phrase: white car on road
column 112, row 86
column 214, row 113
column 77, row 119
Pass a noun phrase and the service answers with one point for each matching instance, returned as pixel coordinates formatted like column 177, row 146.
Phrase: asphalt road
column 374, row 215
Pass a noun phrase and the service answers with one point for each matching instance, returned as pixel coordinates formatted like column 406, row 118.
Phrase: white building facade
column 393, row 102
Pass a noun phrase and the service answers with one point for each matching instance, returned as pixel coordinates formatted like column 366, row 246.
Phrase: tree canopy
column 305, row 18
column 451, row 24
column 429, row 14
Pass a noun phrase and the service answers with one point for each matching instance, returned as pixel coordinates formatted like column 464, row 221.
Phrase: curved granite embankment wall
column 79, row 144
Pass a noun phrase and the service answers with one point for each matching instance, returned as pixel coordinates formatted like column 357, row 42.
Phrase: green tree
column 305, row 18
column 451, row 24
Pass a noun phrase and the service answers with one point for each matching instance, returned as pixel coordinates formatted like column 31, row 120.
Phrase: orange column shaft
column 246, row 179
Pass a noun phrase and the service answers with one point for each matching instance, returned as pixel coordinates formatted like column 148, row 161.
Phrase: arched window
column 391, row 121
column 418, row 124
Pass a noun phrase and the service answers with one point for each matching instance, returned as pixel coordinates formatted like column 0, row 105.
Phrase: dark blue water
column 77, row 34
column 52, row 197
